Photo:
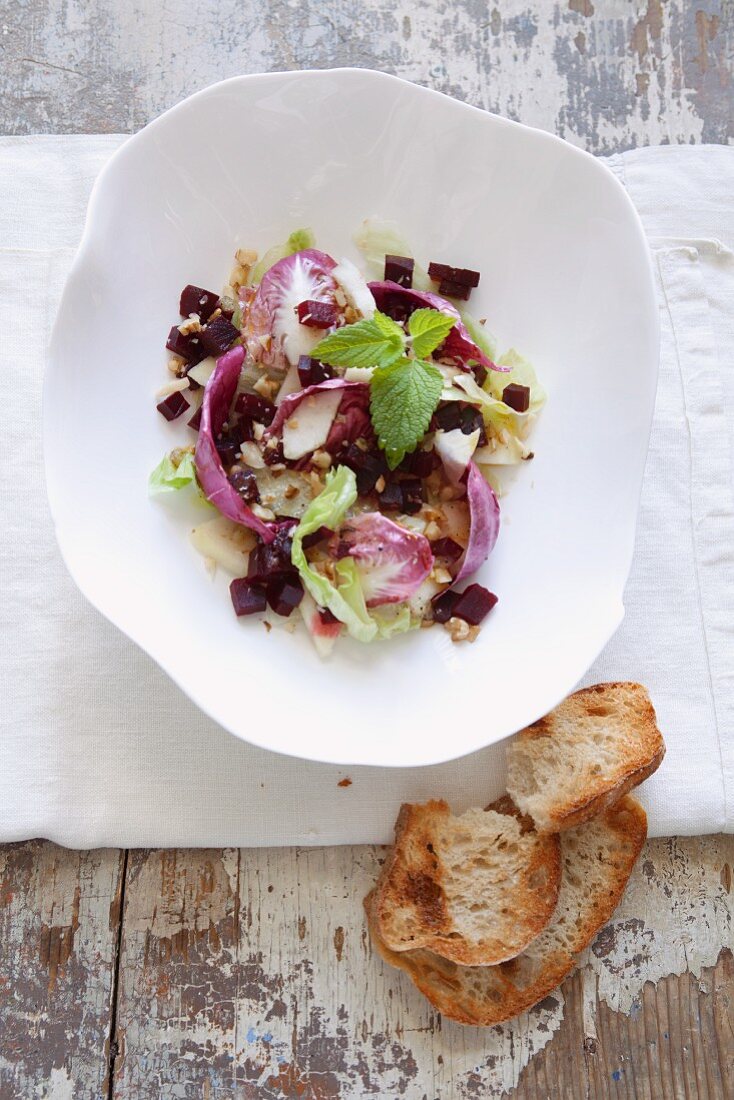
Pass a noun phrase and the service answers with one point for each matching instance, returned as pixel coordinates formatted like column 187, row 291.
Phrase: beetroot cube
column 255, row 407
column 245, row 482
column 412, row 491
column 474, row 604
column 454, row 290
column 327, row 617
column 442, row 606
column 195, row 421
column 441, row 273
column 218, row 337
column 517, row 397
column 317, row 314
column 186, row 347
column 399, row 269
column 272, row 560
column 173, row 406
column 311, row 371
column 285, row 594
column 316, row 537
column 480, row 373
column 471, row 421
column 194, row 299
column 247, row 599
column 446, row 549
column 422, row 463
column 394, row 305
column 391, row 497
column 448, row 416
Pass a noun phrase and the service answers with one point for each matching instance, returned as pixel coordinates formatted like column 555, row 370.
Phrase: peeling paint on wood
column 59, row 915
column 260, row 982
column 607, row 75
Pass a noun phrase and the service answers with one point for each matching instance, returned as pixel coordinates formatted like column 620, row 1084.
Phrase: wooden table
column 239, row 974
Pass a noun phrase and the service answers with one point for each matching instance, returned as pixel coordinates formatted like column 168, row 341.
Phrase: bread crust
column 412, row 904
column 640, row 753
column 488, row 995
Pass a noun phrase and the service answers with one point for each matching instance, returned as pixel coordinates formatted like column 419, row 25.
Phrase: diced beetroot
column 218, row 337
column 285, row 594
column 447, row 416
column 255, row 407
column 517, row 397
column 412, row 491
column 247, row 599
column 441, row 273
column 311, row 372
column 194, row 299
column 173, row 405
column 472, row 421
column 316, row 537
column 186, row 347
column 399, row 269
column 398, row 306
column 271, row 560
column 442, row 606
column 422, row 463
column 454, row 290
column 480, row 374
column 446, row 549
column 245, row 483
column 474, row 604
column 195, row 420
column 317, row 314
column 391, row 497
column 273, row 455
column 327, row 617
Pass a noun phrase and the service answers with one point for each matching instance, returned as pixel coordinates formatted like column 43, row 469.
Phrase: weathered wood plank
column 606, row 74
column 249, row 975
column 59, row 923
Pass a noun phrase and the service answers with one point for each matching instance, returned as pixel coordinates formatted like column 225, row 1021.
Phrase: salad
column 345, row 429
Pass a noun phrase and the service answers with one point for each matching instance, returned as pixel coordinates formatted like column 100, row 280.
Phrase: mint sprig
column 403, row 398
column 428, row 328
column 373, row 342
column 404, row 388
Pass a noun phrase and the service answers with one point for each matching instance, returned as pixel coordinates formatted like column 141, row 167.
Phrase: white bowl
column 566, row 279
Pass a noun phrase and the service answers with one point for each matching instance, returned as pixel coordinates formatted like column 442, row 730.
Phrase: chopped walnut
column 290, row 492
column 432, row 531
column 461, row 631
column 266, row 387
column 350, row 315
column 191, row 324
column 322, row 459
column 258, row 430
column 315, row 482
column 380, row 484
column 340, row 297
column 263, row 513
column 177, row 366
column 441, row 575
column 179, row 453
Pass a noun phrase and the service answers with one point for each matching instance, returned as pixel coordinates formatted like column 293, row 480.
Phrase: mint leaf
column 428, row 328
column 403, row 398
column 369, row 343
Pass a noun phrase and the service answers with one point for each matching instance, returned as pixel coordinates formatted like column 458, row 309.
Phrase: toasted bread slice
column 597, row 861
column 476, row 888
column 583, row 756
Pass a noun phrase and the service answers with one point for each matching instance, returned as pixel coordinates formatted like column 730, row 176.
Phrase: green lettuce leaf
column 522, row 372
column 377, row 238
column 171, row 475
column 483, row 339
column 345, row 600
column 297, row 242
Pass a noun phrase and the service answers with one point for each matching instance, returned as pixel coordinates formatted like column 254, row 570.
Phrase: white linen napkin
column 98, row 747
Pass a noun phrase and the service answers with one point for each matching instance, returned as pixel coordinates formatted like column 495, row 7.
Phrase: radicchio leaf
column 458, row 344
column 209, row 469
column 484, row 522
column 273, row 332
column 392, row 562
column 351, row 418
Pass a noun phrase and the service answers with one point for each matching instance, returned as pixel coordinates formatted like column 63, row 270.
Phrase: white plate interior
column 565, row 278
